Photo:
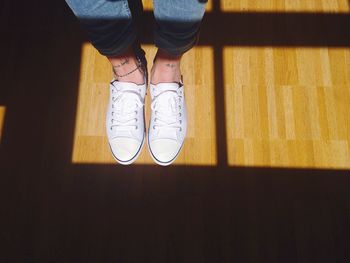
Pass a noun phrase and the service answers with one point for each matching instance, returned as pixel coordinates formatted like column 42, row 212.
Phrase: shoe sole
column 134, row 158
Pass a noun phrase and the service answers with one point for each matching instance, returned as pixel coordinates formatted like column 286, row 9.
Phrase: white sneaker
column 125, row 120
column 168, row 122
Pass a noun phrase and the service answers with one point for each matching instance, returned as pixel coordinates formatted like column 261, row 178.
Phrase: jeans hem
column 119, row 48
column 173, row 49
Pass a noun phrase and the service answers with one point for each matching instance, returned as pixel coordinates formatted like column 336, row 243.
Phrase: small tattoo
column 122, row 63
column 171, row 65
column 125, row 62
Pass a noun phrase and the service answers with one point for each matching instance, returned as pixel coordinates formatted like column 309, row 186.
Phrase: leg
column 177, row 28
column 109, row 27
column 177, row 24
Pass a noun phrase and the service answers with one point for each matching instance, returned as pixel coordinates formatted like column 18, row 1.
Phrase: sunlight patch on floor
column 287, row 107
column 90, row 142
column 312, row 6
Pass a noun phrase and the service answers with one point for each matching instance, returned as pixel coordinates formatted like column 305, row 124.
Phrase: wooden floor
column 283, row 106
column 264, row 174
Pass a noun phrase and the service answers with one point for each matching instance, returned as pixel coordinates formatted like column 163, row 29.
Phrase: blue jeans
column 110, row 28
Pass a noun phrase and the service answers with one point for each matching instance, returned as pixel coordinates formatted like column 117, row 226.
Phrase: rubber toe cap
column 125, row 150
column 164, row 150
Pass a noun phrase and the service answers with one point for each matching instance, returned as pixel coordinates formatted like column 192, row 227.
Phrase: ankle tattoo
column 126, row 61
column 169, row 65
column 139, row 66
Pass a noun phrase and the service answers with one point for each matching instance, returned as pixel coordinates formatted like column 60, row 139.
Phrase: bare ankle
column 166, row 68
column 127, row 68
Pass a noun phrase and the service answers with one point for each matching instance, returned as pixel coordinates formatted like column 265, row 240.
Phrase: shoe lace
column 167, row 110
column 125, row 105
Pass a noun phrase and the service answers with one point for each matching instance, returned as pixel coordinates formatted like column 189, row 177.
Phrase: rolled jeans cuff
column 176, row 44
column 111, row 44
column 120, row 48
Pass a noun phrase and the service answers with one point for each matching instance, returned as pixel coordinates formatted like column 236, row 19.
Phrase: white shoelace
column 166, row 107
column 125, row 105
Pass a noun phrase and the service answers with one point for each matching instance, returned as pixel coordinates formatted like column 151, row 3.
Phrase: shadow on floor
column 54, row 211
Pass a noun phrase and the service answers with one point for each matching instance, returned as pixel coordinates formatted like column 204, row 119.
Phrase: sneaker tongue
column 159, row 88
column 125, row 85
